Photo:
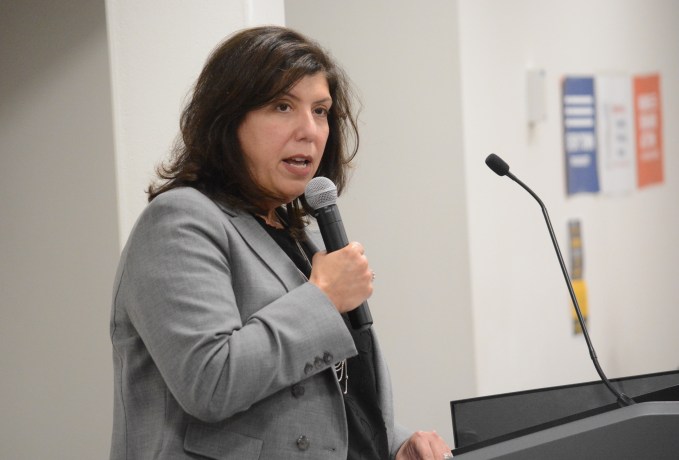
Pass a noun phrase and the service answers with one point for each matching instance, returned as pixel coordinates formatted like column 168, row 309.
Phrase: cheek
column 323, row 141
column 249, row 151
column 249, row 142
column 262, row 139
column 242, row 138
column 323, row 137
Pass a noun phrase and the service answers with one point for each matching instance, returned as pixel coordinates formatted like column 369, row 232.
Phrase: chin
column 292, row 189
column 290, row 197
column 293, row 192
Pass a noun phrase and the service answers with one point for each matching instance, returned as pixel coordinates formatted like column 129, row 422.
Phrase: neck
column 271, row 218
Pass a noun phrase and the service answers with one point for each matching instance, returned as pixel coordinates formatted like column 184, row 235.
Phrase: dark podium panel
column 571, row 418
column 643, row 431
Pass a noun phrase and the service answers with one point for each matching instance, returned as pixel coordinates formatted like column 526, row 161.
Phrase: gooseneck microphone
column 321, row 195
column 501, row 168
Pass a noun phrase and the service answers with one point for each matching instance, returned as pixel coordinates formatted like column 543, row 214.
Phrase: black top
column 367, row 432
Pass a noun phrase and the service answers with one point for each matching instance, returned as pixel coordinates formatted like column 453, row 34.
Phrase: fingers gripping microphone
column 321, row 195
column 501, row 168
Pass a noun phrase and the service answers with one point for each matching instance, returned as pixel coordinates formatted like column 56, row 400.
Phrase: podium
column 580, row 421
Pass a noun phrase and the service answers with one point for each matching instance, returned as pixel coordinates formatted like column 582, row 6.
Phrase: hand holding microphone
column 344, row 276
column 343, row 272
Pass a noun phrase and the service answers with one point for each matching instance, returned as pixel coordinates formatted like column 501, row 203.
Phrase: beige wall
column 69, row 198
column 58, row 230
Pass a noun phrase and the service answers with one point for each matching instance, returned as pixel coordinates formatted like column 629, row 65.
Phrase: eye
column 283, row 107
column 321, row 111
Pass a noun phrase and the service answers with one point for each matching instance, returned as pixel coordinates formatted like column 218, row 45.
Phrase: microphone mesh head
column 320, row 192
column 497, row 164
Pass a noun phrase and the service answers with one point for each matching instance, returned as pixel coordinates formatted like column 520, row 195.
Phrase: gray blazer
column 221, row 348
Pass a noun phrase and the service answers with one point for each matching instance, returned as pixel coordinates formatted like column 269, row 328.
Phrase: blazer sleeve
column 175, row 286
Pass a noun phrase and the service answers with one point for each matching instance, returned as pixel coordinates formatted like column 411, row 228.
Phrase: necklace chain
column 301, row 251
column 342, row 373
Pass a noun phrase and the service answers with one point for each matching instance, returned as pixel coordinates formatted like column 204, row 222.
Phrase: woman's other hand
column 424, row 445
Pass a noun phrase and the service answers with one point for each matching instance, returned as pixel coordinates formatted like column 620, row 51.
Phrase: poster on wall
column 648, row 124
column 615, row 134
column 579, row 117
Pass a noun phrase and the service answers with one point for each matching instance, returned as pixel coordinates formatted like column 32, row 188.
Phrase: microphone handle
column 623, row 399
column 334, row 237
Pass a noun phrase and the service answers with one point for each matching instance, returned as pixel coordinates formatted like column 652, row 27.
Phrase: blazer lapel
column 265, row 247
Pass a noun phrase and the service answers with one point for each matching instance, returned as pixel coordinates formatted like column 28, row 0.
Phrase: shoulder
column 175, row 215
column 186, row 204
column 183, row 198
column 174, row 226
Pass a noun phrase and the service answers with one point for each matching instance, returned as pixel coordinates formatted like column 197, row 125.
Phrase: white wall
column 158, row 48
column 521, row 307
column 443, row 86
column 58, row 231
column 407, row 202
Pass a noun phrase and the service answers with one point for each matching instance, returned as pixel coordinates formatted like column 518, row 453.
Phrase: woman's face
column 283, row 142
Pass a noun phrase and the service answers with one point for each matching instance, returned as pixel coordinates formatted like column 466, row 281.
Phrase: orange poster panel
column 648, row 125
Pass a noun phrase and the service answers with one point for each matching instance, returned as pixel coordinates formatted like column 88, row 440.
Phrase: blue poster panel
column 579, row 116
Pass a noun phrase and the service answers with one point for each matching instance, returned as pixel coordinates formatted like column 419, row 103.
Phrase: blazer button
column 303, row 443
column 298, row 390
column 318, row 363
column 327, row 357
column 308, row 368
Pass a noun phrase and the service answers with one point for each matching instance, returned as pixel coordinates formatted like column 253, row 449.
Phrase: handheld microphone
column 501, row 168
column 321, row 195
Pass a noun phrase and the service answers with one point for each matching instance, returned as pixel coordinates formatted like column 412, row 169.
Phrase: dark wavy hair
column 246, row 72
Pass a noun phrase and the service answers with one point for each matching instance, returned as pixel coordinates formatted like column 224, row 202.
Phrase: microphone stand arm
column 623, row 399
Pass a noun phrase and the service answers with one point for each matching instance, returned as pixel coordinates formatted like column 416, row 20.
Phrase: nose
column 307, row 126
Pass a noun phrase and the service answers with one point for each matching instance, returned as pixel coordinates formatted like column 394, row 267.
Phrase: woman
column 228, row 325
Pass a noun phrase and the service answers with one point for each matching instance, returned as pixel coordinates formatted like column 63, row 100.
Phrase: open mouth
column 298, row 162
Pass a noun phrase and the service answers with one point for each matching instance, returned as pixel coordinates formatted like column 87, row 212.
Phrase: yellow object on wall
column 580, row 289
column 577, row 273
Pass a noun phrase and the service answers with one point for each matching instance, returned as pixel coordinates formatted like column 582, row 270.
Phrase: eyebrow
column 324, row 100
